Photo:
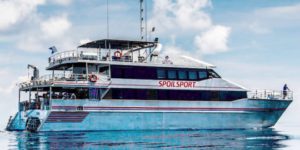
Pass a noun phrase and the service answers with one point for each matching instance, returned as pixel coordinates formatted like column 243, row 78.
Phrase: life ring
column 93, row 78
column 117, row 54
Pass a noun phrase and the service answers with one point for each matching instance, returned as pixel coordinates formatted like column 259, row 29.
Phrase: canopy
column 117, row 44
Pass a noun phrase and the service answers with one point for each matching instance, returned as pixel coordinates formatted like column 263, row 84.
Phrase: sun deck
column 121, row 52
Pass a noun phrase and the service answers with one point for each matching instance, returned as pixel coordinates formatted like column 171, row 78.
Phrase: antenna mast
column 107, row 20
column 143, row 20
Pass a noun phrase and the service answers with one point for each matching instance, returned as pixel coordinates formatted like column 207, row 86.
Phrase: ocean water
column 256, row 139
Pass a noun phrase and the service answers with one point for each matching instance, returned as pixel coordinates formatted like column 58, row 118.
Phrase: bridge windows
column 158, row 73
column 182, row 75
column 192, row 75
column 202, row 74
column 172, row 74
column 161, row 74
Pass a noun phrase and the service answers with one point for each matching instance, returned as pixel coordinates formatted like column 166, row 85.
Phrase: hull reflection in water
column 190, row 139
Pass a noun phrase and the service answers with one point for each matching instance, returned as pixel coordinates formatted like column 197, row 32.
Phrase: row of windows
column 143, row 94
column 135, row 72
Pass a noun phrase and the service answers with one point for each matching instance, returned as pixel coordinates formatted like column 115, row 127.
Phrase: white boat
column 124, row 85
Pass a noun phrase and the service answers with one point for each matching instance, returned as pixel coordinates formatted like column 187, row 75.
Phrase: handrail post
column 255, row 93
column 50, row 97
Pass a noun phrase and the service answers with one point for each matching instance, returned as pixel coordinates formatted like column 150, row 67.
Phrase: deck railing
column 73, row 55
column 271, row 94
column 48, row 79
column 91, row 54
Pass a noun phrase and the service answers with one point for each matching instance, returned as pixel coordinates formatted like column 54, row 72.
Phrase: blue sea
column 271, row 138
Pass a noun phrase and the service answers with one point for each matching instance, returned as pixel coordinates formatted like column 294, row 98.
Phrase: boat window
column 116, row 94
column 151, row 94
column 79, row 70
column 171, row 74
column 162, row 94
column 202, row 74
column 192, row 75
column 128, row 72
column 138, row 72
column 103, row 70
column 116, row 72
column 182, row 75
column 92, row 68
column 161, row 74
column 144, row 73
column 215, row 96
column 213, row 74
column 182, row 95
column 128, row 93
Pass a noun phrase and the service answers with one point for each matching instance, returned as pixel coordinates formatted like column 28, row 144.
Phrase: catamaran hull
column 242, row 114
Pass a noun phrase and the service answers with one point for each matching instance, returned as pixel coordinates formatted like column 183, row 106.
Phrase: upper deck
column 120, row 52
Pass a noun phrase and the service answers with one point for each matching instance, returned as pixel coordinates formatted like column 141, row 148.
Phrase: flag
column 153, row 29
column 53, row 49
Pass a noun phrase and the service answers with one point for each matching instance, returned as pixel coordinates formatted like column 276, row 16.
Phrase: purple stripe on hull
column 168, row 108
column 66, row 117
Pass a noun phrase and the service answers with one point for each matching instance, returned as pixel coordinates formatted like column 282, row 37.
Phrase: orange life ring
column 118, row 54
column 93, row 78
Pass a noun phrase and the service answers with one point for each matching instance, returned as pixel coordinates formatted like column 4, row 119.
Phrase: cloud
column 189, row 20
column 258, row 28
column 7, row 86
column 14, row 11
column 62, row 2
column 288, row 12
column 265, row 20
column 213, row 40
column 44, row 32
column 188, row 15
column 55, row 26
column 30, row 43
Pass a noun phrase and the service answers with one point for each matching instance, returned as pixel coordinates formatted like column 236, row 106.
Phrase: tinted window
column 162, row 94
column 151, row 94
column 144, row 94
column 116, row 72
column 182, row 75
column 213, row 74
column 171, row 74
column 202, row 74
column 128, row 72
column 192, row 75
column 161, row 74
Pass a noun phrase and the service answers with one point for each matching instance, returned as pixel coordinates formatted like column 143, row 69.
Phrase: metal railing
column 271, row 94
column 73, row 55
column 89, row 54
column 49, row 79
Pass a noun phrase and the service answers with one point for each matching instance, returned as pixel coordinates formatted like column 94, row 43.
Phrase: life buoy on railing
column 118, row 54
column 93, row 78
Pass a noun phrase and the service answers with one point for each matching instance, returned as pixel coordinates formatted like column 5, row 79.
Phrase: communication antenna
column 107, row 20
column 143, row 20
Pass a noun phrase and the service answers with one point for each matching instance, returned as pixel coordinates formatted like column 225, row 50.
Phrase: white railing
column 87, row 54
column 74, row 55
column 49, row 79
column 271, row 94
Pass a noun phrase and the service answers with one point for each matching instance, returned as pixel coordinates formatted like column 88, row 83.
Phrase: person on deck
column 285, row 90
column 167, row 61
column 73, row 96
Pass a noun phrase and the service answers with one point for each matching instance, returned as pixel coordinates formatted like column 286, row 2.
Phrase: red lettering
column 161, row 83
column 194, row 84
column 185, row 84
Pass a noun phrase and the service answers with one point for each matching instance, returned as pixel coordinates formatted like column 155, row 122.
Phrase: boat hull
column 241, row 114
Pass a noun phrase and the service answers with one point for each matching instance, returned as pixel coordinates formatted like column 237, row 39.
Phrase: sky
column 252, row 42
